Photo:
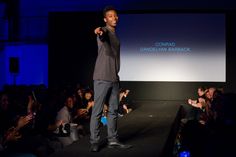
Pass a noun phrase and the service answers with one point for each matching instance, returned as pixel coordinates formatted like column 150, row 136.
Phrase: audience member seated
column 88, row 100
column 12, row 135
column 68, row 131
column 124, row 105
column 7, row 112
column 196, row 108
column 83, row 108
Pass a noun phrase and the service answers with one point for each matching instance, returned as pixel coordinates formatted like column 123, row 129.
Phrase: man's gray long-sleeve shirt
column 108, row 60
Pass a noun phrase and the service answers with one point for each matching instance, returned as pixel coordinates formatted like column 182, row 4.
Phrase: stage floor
column 147, row 128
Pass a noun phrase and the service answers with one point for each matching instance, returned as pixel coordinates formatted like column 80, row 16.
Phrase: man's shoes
column 94, row 147
column 118, row 145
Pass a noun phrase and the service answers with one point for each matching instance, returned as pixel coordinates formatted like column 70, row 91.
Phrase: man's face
column 111, row 18
column 70, row 102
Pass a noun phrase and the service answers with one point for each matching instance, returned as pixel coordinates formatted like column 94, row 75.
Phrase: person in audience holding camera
column 68, row 132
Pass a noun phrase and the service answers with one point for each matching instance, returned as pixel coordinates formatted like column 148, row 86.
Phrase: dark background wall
column 29, row 22
column 72, row 47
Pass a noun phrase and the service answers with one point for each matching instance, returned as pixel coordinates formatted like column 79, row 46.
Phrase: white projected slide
column 172, row 47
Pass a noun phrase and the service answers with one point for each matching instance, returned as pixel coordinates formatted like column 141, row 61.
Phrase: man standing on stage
column 106, row 81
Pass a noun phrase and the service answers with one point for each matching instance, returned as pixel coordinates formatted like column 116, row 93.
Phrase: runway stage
column 150, row 128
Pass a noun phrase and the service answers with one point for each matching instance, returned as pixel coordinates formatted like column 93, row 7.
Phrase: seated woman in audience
column 196, row 110
column 68, row 131
column 84, row 106
column 124, row 106
column 200, row 101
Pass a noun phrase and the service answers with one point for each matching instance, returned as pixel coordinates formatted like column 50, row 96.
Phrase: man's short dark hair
column 108, row 8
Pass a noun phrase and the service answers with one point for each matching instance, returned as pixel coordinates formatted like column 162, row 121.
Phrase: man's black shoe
column 94, row 147
column 118, row 145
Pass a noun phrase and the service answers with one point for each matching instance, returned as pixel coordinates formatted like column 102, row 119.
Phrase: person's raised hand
column 98, row 31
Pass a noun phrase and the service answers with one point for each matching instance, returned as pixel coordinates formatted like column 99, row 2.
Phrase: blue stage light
column 184, row 154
